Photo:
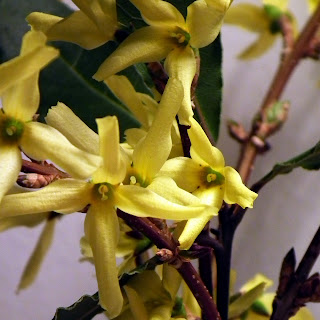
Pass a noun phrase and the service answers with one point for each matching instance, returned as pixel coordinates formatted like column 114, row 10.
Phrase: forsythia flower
column 206, row 176
column 260, row 20
column 172, row 37
column 20, row 99
column 90, row 27
column 104, row 193
column 144, row 109
column 313, row 4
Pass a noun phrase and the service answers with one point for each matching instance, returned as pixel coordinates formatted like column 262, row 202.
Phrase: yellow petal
column 204, row 20
column 236, row 191
column 313, row 4
column 124, row 90
column 191, row 231
column 168, row 189
column 42, row 142
column 144, row 45
column 67, row 195
column 136, row 305
column 190, row 301
column 159, row 13
column 148, row 166
column 26, row 65
column 33, row 266
column 73, row 128
column 243, row 303
column 256, row 280
column 21, row 101
column 248, row 16
column 184, row 171
column 77, row 28
column 30, row 220
column 43, row 22
column 181, row 64
column 201, row 149
column 142, row 202
column 134, row 135
column 10, row 165
column 113, row 169
column 259, row 47
column 171, row 280
column 102, row 232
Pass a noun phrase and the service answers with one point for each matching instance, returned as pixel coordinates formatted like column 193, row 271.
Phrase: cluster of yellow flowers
column 135, row 177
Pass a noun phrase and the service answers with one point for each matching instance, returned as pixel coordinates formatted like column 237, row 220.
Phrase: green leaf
column 244, row 302
column 69, row 80
column 13, row 24
column 209, row 89
column 148, row 265
column 181, row 5
column 309, row 160
column 84, row 309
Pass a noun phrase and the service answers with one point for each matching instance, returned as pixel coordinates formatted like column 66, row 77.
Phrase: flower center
column 181, row 36
column 214, row 177
column 104, row 191
column 11, row 129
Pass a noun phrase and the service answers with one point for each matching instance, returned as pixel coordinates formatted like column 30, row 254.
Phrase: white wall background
column 285, row 215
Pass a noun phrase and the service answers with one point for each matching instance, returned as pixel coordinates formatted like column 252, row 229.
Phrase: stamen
column 133, row 180
column 11, row 130
column 211, row 177
column 103, row 190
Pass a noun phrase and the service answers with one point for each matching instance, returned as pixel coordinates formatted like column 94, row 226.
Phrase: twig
column 250, row 150
column 44, row 169
column 284, row 304
column 187, row 271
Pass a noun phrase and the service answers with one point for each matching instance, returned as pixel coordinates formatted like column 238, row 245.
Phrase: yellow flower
column 90, row 27
column 206, row 177
column 20, row 99
column 172, row 37
column 313, row 4
column 144, row 109
column 104, row 192
column 260, row 20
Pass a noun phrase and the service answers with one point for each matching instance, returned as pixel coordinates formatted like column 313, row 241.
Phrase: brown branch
column 44, row 169
column 284, row 305
column 191, row 277
column 291, row 60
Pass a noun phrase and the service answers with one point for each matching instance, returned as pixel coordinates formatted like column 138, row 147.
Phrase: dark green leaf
column 309, row 160
column 84, row 309
column 13, row 23
column 148, row 265
column 128, row 14
column 181, row 5
column 209, row 89
column 69, row 80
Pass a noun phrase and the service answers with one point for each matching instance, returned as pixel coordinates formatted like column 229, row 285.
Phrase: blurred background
column 285, row 215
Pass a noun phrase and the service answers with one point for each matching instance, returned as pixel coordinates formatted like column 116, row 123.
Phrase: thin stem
column 199, row 290
column 187, row 271
column 33, row 167
column 249, row 150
